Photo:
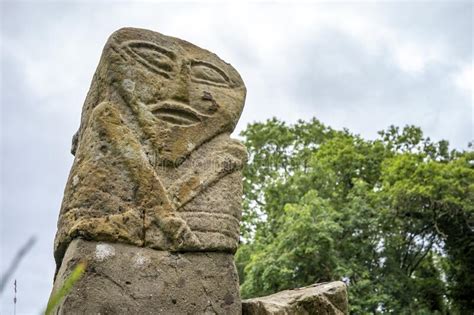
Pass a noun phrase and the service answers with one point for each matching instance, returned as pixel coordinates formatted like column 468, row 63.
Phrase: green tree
column 392, row 216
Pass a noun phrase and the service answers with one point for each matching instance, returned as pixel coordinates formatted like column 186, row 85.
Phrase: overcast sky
column 358, row 65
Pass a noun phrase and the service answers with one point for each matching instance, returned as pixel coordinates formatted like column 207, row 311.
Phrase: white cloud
column 411, row 58
column 464, row 79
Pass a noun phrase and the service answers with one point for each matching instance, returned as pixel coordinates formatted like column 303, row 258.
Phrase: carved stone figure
column 154, row 163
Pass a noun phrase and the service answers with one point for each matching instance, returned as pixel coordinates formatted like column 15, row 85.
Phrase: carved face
column 181, row 95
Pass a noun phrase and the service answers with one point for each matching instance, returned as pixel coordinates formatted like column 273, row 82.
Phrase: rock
column 323, row 298
column 154, row 164
column 124, row 279
column 155, row 168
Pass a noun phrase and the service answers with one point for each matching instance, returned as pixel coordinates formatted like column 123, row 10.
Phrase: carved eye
column 153, row 57
column 206, row 73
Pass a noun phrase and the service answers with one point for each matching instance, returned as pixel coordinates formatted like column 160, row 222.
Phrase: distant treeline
column 392, row 217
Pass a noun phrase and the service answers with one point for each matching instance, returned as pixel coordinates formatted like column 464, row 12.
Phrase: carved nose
column 181, row 92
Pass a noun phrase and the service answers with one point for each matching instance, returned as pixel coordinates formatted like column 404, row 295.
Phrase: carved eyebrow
column 150, row 45
column 213, row 67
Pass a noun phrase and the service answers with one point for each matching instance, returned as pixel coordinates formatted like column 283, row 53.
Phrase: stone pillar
column 125, row 279
column 153, row 199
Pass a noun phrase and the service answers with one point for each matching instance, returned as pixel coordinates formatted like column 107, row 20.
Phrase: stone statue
column 154, row 164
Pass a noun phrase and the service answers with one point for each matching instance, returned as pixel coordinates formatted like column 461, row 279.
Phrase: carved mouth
column 177, row 114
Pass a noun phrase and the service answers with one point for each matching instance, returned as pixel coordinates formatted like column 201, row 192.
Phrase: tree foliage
column 393, row 217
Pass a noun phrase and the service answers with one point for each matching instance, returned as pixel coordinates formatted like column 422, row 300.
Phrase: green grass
column 57, row 297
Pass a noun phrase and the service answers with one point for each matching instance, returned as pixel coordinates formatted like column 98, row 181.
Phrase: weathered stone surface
column 153, row 199
column 124, row 279
column 323, row 298
column 154, row 164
